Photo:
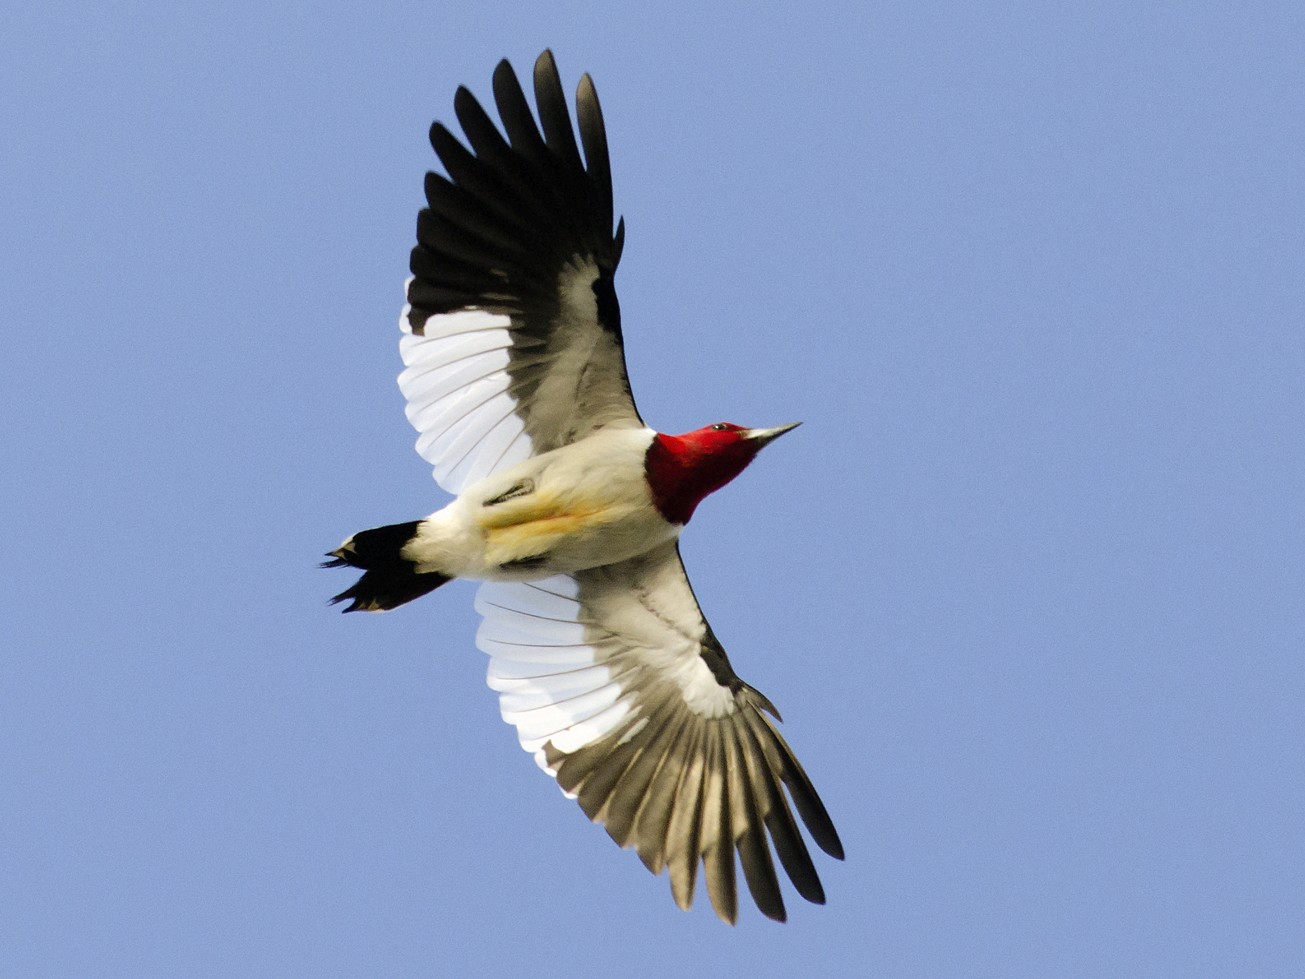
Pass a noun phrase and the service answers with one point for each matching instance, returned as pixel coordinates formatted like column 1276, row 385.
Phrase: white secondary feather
column 457, row 387
column 572, row 657
column 552, row 682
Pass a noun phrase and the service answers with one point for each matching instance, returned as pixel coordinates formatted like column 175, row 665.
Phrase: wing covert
column 618, row 687
column 512, row 333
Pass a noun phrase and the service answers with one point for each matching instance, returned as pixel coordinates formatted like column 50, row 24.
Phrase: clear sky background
column 1028, row 585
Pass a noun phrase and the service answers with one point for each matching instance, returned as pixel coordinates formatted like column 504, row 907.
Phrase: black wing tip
column 618, row 242
column 522, row 181
column 505, row 74
column 465, row 103
column 589, row 107
column 546, row 64
column 439, row 135
column 774, row 833
column 819, row 825
column 836, row 850
column 759, row 701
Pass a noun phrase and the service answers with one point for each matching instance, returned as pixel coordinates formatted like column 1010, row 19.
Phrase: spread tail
column 389, row 579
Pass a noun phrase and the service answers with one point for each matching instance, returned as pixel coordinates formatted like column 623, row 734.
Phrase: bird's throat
column 681, row 475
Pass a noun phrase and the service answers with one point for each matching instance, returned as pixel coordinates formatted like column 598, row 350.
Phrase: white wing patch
column 457, row 387
column 571, row 674
column 553, row 684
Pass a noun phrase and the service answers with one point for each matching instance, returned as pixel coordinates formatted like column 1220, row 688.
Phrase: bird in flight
column 569, row 508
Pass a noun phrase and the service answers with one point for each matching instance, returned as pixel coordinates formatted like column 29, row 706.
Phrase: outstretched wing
column 616, row 683
column 512, row 332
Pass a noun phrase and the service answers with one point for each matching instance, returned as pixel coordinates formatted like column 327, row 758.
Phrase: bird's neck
column 681, row 474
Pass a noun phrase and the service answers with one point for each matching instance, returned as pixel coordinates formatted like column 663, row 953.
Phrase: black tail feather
column 389, row 579
column 378, row 591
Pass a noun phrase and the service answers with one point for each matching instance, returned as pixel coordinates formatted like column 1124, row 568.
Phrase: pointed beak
column 764, row 436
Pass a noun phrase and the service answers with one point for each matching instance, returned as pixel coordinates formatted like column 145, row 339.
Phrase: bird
column 569, row 508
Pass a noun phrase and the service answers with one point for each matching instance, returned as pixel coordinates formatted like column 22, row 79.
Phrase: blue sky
column 1026, row 586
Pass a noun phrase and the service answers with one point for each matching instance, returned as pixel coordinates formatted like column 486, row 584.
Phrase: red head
column 683, row 469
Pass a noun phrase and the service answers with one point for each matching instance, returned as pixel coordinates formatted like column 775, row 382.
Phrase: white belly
column 581, row 506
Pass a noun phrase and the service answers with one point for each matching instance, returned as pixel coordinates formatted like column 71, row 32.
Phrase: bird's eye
column 719, row 427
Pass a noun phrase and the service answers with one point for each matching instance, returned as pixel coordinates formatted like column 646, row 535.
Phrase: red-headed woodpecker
column 569, row 508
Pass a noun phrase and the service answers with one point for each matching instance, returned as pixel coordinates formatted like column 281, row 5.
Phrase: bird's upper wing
column 512, row 332
column 616, row 683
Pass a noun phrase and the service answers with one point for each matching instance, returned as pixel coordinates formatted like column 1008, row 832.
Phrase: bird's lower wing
column 618, row 687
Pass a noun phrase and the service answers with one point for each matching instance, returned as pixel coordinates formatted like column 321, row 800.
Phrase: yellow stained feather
column 534, row 524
